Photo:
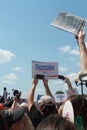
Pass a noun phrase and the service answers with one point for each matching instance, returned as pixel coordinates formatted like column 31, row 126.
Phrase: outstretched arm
column 31, row 93
column 70, row 88
column 83, row 51
column 47, row 90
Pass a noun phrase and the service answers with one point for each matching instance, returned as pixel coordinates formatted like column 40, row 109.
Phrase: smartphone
column 61, row 77
column 39, row 76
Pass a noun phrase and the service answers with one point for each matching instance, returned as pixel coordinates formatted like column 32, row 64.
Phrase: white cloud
column 75, row 52
column 9, row 79
column 10, row 76
column 8, row 82
column 68, row 49
column 63, row 69
column 5, row 56
column 17, row 69
column 65, row 49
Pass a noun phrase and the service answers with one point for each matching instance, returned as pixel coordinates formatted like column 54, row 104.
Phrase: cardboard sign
column 45, row 69
column 68, row 111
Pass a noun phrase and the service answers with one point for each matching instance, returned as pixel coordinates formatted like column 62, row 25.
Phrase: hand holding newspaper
column 69, row 22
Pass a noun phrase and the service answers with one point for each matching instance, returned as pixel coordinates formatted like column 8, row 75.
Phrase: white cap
column 46, row 100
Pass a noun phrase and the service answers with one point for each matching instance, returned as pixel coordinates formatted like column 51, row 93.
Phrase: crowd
column 45, row 114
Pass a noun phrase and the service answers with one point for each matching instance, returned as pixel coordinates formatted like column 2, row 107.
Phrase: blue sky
column 26, row 35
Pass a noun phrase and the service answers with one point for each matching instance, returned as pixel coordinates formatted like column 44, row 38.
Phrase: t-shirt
column 35, row 115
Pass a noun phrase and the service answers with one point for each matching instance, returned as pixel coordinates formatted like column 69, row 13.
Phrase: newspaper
column 69, row 22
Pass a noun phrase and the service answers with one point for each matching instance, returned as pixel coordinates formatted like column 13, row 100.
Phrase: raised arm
column 70, row 87
column 83, row 51
column 31, row 93
column 47, row 89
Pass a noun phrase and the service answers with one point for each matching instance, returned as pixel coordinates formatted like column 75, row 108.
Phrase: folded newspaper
column 69, row 22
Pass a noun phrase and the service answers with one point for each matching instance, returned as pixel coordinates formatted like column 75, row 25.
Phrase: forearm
column 83, row 56
column 83, row 51
column 71, row 91
column 47, row 90
column 31, row 95
column 70, row 87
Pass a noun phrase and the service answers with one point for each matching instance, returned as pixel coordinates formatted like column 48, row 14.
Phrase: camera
column 61, row 77
column 39, row 76
column 17, row 93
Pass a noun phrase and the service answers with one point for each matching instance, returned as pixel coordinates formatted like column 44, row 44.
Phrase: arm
column 47, row 90
column 70, row 88
column 31, row 93
column 83, row 50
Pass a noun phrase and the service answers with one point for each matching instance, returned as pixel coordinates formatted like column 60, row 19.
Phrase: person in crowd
column 5, row 95
column 23, row 124
column 16, row 99
column 80, row 37
column 9, row 117
column 55, row 122
column 46, row 104
column 68, row 92
column 79, row 107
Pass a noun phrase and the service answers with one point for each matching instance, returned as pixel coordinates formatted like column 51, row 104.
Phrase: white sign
column 59, row 97
column 69, row 22
column 47, row 69
column 68, row 111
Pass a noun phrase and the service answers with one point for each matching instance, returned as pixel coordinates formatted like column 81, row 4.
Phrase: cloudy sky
column 26, row 35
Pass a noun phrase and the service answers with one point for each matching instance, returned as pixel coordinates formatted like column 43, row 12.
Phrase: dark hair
column 49, row 110
column 55, row 122
column 4, row 88
column 79, row 103
column 17, row 93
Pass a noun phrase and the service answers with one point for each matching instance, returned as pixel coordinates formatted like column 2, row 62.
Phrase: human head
column 47, row 105
column 55, row 122
column 79, row 108
column 17, row 93
column 5, row 89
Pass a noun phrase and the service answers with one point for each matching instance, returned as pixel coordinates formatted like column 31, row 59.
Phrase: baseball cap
column 46, row 100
